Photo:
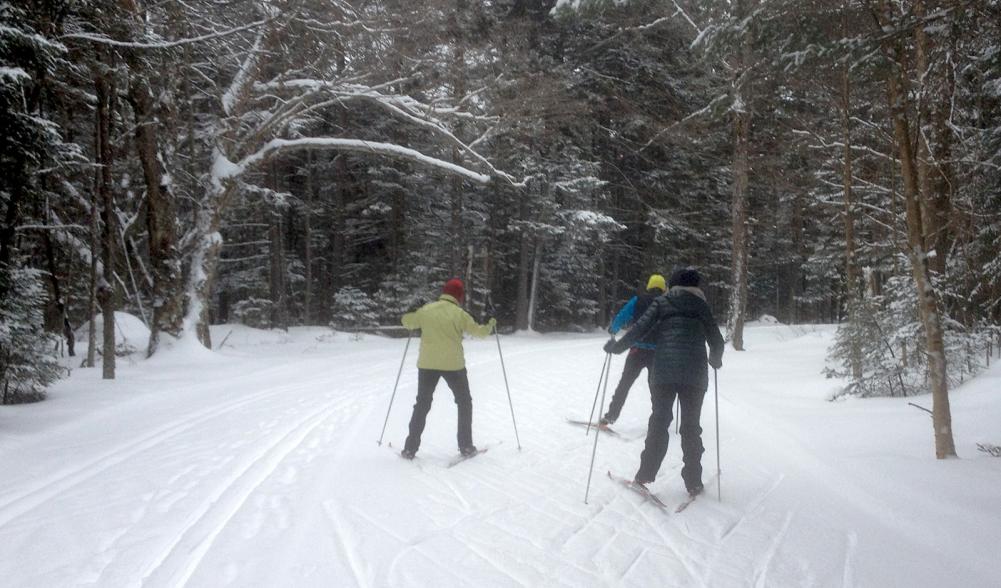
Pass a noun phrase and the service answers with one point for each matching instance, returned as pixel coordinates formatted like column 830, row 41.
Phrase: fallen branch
column 921, row 407
column 991, row 450
column 226, row 338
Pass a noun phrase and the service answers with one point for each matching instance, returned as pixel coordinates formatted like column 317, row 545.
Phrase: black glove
column 609, row 346
column 715, row 362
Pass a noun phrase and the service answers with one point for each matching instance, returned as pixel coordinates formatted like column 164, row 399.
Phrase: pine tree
column 29, row 141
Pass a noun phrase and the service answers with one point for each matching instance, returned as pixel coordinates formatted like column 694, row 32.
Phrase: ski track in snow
column 753, row 508
column 38, row 494
column 193, row 542
column 851, row 542
column 761, row 570
column 264, row 471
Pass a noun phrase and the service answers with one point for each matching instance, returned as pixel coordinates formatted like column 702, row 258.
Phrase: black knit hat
column 685, row 277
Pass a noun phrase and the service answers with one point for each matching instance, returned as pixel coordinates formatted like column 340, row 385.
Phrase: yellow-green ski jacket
column 442, row 324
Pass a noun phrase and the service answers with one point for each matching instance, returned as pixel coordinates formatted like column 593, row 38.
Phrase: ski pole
column 604, row 366
column 719, row 489
column 504, row 371
column 507, row 387
column 594, row 450
column 398, row 374
column 678, row 415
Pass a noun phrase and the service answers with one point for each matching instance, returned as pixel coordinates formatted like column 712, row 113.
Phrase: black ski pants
column 662, row 397
column 458, row 382
column 636, row 361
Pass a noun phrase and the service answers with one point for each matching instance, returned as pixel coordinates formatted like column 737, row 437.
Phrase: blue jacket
column 629, row 313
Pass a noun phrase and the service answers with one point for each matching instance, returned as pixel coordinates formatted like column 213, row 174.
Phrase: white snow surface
column 257, row 465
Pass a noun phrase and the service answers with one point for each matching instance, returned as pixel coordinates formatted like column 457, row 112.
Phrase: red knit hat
column 455, row 289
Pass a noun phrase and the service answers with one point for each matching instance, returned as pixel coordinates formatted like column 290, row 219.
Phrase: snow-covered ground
column 257, row 465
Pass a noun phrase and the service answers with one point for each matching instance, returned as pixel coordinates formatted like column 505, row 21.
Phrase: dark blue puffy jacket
column 682, row 324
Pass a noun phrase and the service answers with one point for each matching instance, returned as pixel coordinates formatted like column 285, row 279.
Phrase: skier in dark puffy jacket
column 683, row 324
column 641, row 354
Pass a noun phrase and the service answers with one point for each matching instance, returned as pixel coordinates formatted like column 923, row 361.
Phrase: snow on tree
column 27, row 359
column 29, row 142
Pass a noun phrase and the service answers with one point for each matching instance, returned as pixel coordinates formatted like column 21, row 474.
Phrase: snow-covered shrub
column 131, row 333
column 395, row 298
column 27, row 360
column 889, row 338
column 354, row 308
column 253, row 312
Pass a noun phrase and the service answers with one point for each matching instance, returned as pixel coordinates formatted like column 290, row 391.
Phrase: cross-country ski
column 596, row 426
column 640, row 489
column 461, row 458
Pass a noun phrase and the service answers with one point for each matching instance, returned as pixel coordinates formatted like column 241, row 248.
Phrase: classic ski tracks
column 40, row 493
column 19, row 502
column 192, row 543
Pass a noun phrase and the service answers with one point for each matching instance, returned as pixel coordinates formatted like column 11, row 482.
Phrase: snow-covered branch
column 103, row 40
column 243, row 78
column 355, row 145
column 404, row 107
column 682, row 12
column 708, row 108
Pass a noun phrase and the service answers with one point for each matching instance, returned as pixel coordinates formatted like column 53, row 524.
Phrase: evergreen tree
column 29, row 142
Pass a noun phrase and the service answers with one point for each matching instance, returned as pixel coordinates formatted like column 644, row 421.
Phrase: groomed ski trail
column 258, row 466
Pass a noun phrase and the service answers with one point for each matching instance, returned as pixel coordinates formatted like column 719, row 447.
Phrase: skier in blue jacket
column 642, row 352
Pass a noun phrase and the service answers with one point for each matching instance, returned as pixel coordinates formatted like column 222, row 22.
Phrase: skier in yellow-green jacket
column 442, row 324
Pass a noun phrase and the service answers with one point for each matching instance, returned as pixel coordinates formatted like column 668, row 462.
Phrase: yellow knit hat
column 656, row 281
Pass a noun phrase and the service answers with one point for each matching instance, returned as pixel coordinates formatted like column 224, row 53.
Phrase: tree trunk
column 457, row 238
column 337, row 238
column 943, row 232
column 161, row 218
column 106, row 291
column 741, row 169
column 8, row 231
column 468, row 277
column 307, row 217
column 277, row 272
column 205, row 261
column 398, row 230
column 608, row 312
column 928, row 308
column 534, row 298
column 50, row 255
column 457, row 231
column 851, row 268
column 521, row 309
column 738, row 299
column 927, row 162
column 487, row 271
column 603, row 303
column 276, row 257
column 524, row 261
column 94, row 228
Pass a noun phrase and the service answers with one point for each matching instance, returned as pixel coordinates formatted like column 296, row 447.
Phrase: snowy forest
column 214, row 214
column 304, row 162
